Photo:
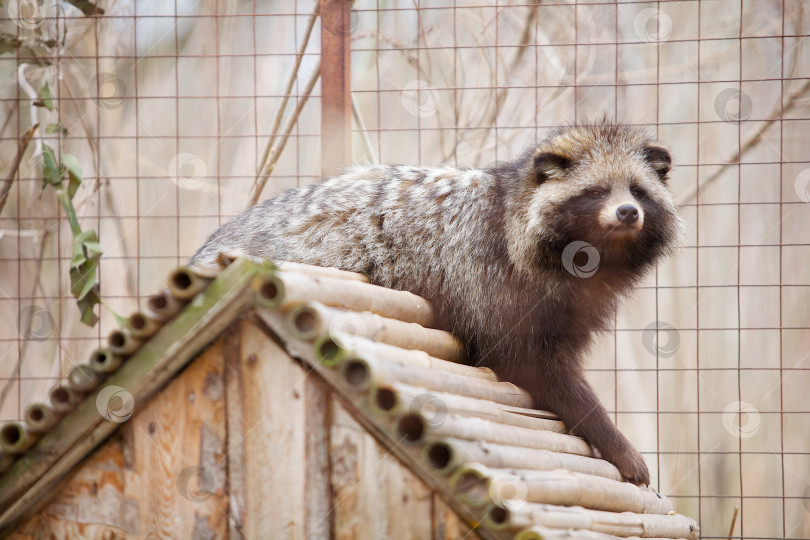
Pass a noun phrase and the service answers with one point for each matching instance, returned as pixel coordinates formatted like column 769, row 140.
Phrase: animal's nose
column 627, row 214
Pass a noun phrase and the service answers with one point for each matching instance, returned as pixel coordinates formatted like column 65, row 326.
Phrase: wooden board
column 174, row 462
column 282, row 489
column 145, row 481
column 375, row 496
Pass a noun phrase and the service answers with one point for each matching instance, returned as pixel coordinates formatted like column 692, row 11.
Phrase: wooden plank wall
column 244, row 443
column 162, row 475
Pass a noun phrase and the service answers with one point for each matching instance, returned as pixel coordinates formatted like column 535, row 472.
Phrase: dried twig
column 525, row 41
column 396, row 45
column 777, row 115
column 288, row 90
column 733, row 520
column 361, row 125
column 9, row 116
column 15, row 165
column 275, row 151
column 500, row 95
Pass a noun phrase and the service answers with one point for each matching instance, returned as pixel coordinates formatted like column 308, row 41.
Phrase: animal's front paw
column 632, row 466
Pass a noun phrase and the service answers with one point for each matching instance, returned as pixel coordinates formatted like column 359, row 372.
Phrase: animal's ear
column 548, row 165
column 659, row 159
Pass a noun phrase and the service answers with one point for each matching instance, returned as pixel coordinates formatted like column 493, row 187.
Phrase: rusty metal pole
column 336, row 104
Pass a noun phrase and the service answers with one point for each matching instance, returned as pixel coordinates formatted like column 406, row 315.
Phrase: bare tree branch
column 15, row 165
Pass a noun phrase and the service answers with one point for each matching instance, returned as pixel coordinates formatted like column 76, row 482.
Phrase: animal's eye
column 637, row 192
column 596, row 193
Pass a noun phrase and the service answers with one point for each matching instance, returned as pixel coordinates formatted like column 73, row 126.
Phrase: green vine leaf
column 56, row 128
column 45, row 98
column 86, row 306
column 51, row 171
column 84, row 273
column 74, row 170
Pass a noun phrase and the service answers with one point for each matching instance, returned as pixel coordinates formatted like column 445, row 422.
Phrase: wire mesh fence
column 171, row 110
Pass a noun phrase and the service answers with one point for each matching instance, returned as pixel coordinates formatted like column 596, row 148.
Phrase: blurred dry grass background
column 168, row 106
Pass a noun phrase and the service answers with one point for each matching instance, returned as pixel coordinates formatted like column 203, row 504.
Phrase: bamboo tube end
column 62, row 398
column 471, row 484
column 181, row 283
column 116, row 339
column 305, row 322
column 411, row 428
column 355, row 374
column 104, row 361
column 186, row 282
column 122, row 342
column 60, row 395
column 136, row 322
column 10, row 435
column 329, row 352
column 386, row 401
column 268, row 290
column 34, row 413
column 143, row 325
column 497, row 517
column 39, row 417
column 440, row 457
column 157, row 303
column 163, row 306
column 181, row 278
column 14, row 438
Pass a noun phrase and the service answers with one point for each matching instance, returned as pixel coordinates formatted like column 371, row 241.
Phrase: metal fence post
column 336, row 108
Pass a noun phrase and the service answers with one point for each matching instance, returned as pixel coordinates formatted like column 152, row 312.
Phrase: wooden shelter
column 286, row 401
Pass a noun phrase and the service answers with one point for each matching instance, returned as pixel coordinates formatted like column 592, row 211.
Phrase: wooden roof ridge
column 505, row 468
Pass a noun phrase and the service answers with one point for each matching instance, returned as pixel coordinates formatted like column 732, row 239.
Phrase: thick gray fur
column 486, row 247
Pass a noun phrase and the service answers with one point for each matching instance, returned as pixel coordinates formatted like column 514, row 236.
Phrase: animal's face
column 604, row 185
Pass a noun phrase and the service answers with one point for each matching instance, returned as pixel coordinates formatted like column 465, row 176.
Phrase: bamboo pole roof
column 508, row 470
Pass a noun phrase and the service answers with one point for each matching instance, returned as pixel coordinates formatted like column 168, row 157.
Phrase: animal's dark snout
column 627, row 214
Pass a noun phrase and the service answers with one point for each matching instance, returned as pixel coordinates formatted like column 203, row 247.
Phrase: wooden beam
column 336, row 100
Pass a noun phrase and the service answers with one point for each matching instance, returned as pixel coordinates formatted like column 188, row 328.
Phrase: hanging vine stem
column 57, row 166
column 32, row 108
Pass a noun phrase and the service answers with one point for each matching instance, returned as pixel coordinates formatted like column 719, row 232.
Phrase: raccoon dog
column 523, row 261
